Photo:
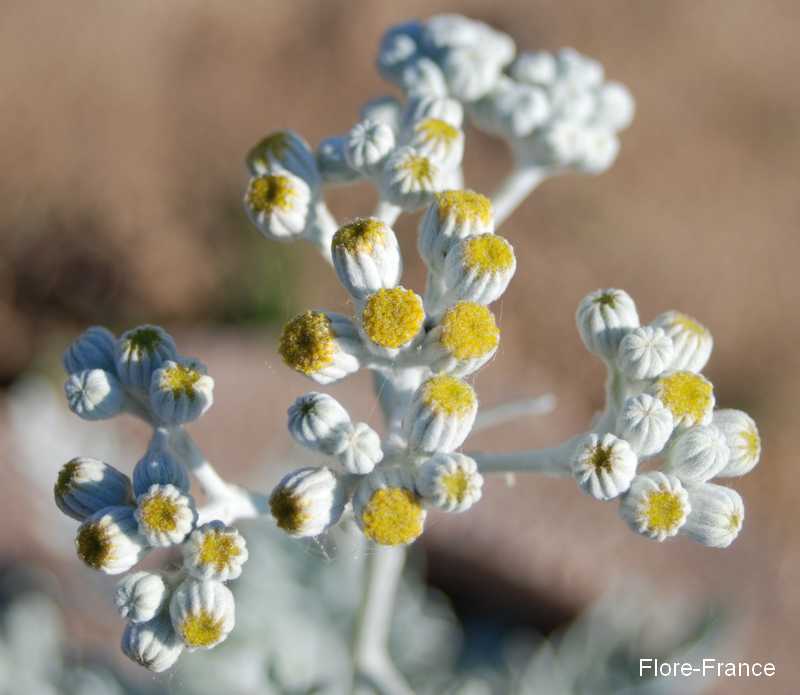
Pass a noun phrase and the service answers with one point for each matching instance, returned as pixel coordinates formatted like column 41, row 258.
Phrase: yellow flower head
column 201, row 629
column 392, row 317
column 270, row 192
column 689, row 396
column 449, row 395
column 469, row 331
column 420, row 169
column 393, row 516
column 180, row 379
column 488, row 253
column 307, row 343
column 664, row 512
column 435, row 130
column 360, row 236
column 290, row 511
column 464, row 206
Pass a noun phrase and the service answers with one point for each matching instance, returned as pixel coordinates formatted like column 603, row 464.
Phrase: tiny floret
column 688, row 396
column 203, row 613
column 387, row 507
column 469, row 331
column 214, row 551
column 165, row 515
column 392, row 318
column 656, row 505
column 450, row 482
column 180, row 392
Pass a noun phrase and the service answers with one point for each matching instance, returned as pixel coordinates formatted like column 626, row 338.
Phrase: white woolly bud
column 423, row 78
column 512, row 110
column 438, row 141
column 535, row 68
column 441, row 415
column 85, row 486
column 140, row 596
column 399, row 49
column 181, row 391
column 358, row 449
column 367, row 145
column 139, row 352
column 644, row 353
column 203, row 613
column 278, row 204
column 693, row 341
column 604, row 317
column 450, row 482
column 697, row 454
column 94, row 394
column 578, row 69
column 561, row 144
column 688, row 396
column 385, row 109
column 307, row 501
column 744, row 441
column 284, row 150
column 600, row 148
column 215, row 552
column 572, row 102
column 159, row 466
column 717, row 515
column 109, row 540
column 656, row 505
column 332, row 164
column 165, row 515
column 366, row 256
column 604, row 466
column 93, row 349
column 387, row 508
column 315, row 421
column 153, row 644
column 442, row 108
column 645, row 424
column 391, row 320
column 479, row 268
column 452, row 216
column 615, row 106
column 469, row 73
column 410, row 179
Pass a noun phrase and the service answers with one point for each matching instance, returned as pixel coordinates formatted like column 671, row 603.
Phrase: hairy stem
column 517, row 186
column 387, row 212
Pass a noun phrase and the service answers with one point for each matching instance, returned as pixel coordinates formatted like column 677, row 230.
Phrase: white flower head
column 438, row 140
column 479, row 268
column 94, row 394
column 109, row 541
column 656, row 505
column 139, row 352
column 307, row 501
column 85, row 486
column 717, row 515
column 140, row 596
column 391, row 320
column 203, row 613
column 214, row 551
column 284, row 150
column 604, row 466
column 93, row 349
column 697, row 454
column 446, row 109
column 693, row 341
column 153, row 644
column 278, row 204
column 366, row 256
column 644, row 353
column 367, row 145
column 316, row 420
column 332, row 163
column 387, row 508
column 645, row 423
column 450, row 482
column 744, row 441
column 688, row 396
column 441, row 414
column 604, row 317
column 410, row 179
column 464, row 339
column 385, row 109
column 452, row 216
column 159, row 467
column 181, row 391
column 323, row 346
column 359, row 449
column 165, row 514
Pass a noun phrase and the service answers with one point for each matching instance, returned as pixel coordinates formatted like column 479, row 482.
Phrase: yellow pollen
column 65, row 478
column 689, row 324
column 469, row 331
column 448, row 395
column 159, row 513
column 606, row 299
column 664, row 511
column 392, row 317
column 274, row 146
column 217, row 549
column 455, row 485
column 435, row 130
column 143, row 340
column 94, row 546
column 289, row 510
column 686, row 394
column 465, row 206
column 601, row 458
column 201, row 630
column 488, row 253
column 180, row 380
column 307, row 342
column 752, row 443
column 270, row 192
column 420, row 169
column 734, row 522
column 362, row 235
column 393, row 516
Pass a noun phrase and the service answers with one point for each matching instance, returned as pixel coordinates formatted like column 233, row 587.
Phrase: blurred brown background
column 122, row 131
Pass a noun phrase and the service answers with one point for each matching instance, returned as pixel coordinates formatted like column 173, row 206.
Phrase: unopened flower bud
column 439, row 141
column 307, row 501
column 94, row 394
column 599, row 150
column 165, row 515
column 367, row 145
column 697, row 454
column 646, row 424
column 181, row 391
column 717, row 515
column 284, row 150
column 359, row 449
column 332, row 163
column 535, row 68
column 440, row 415
column 109, row 540
column 315, row 421
column 278, row 204
column 153, row 644
column 688, row 396
column 93, row 349
column 86, row 486
column 214, row 552
column 139, row 352
column 615, row 106
column 644, row 353
column 159, row 466
column 604, row 466
column 410, row 179
column 743, row 440
column 399, row 48
column 387, row 508
column 442, row 108
column 479, row 268
column 141, row 596
column 385, row 109
column 450, row 482
column 693, row 342
column 604, row 317
column 203, row 613
column 656, row 505
column 366, row 256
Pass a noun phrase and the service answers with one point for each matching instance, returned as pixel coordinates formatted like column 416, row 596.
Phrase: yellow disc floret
column 488, row 253
column 201, row 630
column 307, row 343
column 435, row 130
column 689, row 396
column 455, row 485
column 66, row 477
column 393, row 516
column 274, row 145
column 600, row 458
column 464, row 206
column 392, row 317
column 94, row 545
column 664, row 512
column 752, row 443
column 469, row 331
column 289, row 510
column 421, row 169
column 270, row 192
column 448, row 395
column 688, row 324
column 361, row 235
column 180, row 379
column 217, row 549
column 159, row 513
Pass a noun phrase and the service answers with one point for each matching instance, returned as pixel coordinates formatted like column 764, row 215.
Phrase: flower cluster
column 661, row 407
column 122, row 519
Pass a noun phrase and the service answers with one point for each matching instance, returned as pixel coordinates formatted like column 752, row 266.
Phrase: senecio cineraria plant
column 654, row 448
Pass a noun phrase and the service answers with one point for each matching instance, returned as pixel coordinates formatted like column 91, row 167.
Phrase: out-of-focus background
column 122, row 131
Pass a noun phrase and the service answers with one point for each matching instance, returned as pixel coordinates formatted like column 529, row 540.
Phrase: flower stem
column 514, row 189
